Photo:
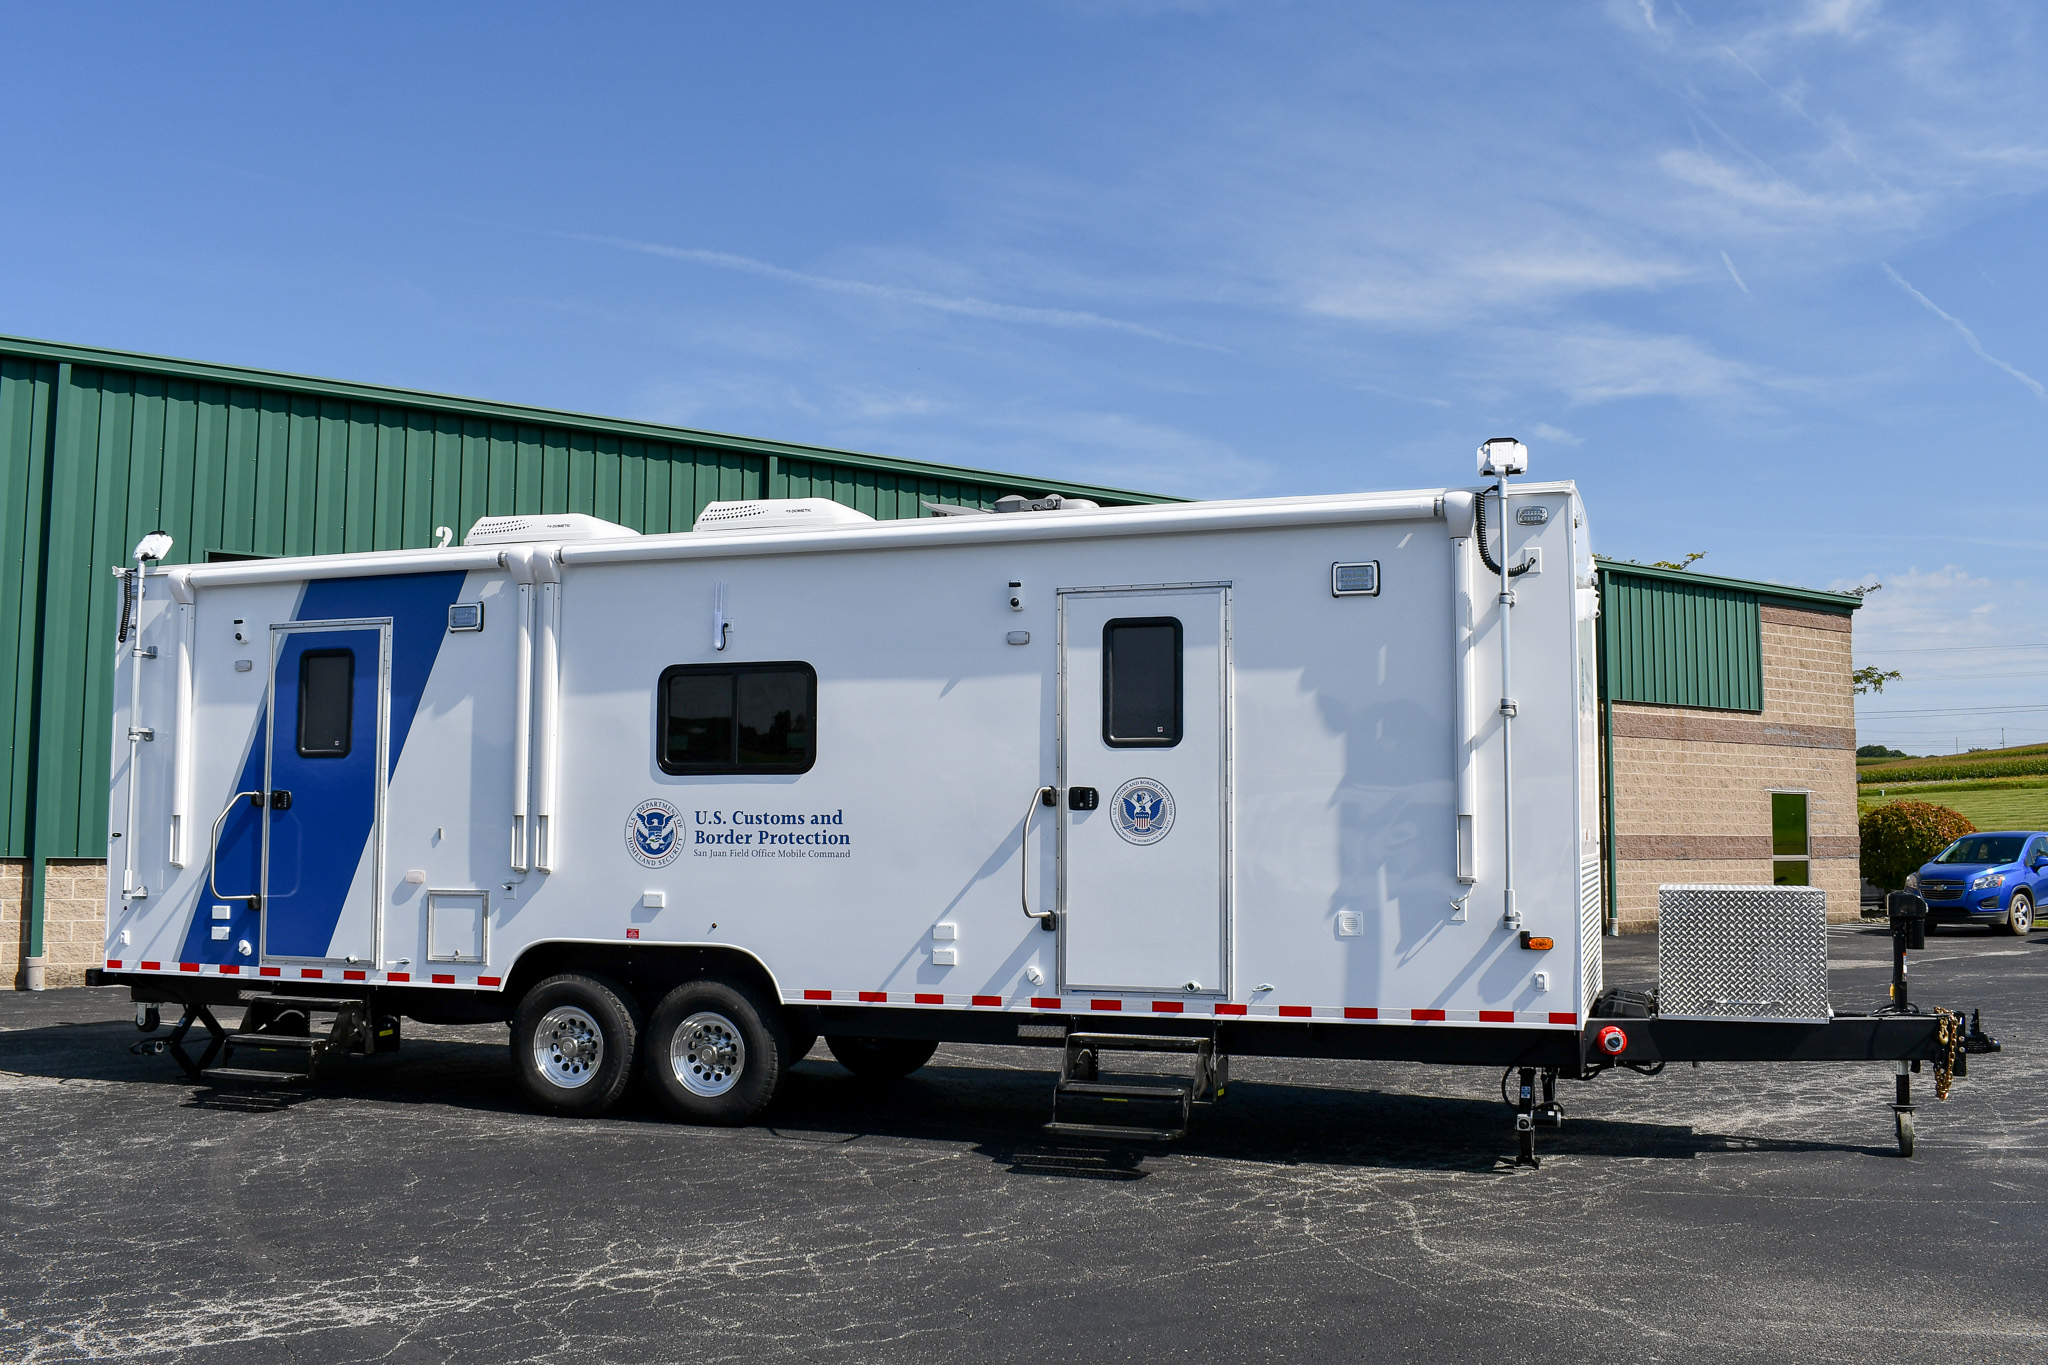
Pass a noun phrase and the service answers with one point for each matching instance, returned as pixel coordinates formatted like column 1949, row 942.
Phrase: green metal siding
column 1681, row 644
column 98, row 448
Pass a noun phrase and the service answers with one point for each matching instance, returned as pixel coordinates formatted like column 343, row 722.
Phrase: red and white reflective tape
column 1100, row 1004
column 350, row 974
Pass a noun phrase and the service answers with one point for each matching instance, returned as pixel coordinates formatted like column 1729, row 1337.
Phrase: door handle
column 1044, row 796
column 213, row 850
column 1083, row 798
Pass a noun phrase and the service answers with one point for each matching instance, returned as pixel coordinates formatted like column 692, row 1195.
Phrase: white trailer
column 1300, row 776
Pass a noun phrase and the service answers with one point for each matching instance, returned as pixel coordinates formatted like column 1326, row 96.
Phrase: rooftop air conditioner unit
column 548, row 526
column 778, row 514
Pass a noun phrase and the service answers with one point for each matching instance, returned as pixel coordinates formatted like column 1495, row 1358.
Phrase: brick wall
column 1692, row 787
column 74, row 920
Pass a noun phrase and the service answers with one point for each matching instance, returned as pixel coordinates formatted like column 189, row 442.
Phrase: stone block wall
column 1692, row 787
column 74, row 923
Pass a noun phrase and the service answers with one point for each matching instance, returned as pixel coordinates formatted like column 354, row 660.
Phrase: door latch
column 1083, row 798
column 280, row 800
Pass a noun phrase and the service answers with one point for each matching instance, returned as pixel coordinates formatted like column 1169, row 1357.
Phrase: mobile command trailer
column 1304, row 777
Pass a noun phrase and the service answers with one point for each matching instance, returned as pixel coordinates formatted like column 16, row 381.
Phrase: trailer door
column 1145, row 789
column 324, row 791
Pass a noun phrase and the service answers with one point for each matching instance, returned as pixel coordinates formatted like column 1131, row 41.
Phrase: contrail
column 1968, row 335
column 1733, row 273
column 943, row 303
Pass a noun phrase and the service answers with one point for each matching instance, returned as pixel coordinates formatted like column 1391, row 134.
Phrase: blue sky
column 1767, row 280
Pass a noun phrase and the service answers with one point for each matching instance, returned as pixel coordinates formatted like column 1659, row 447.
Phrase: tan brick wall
column 1695, row 809
column 13, row 925
column 74, row 920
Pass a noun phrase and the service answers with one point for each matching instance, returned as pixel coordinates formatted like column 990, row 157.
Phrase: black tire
column 575, row 1040
column 882, row 1059
column 716, row 1052
column 1903, row 1122
column 2020, row 917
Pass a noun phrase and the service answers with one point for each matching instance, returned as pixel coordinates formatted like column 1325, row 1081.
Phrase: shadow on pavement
column 995, row 1111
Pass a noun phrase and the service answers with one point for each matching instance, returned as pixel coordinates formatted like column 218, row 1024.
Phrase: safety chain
column 1948, row 1032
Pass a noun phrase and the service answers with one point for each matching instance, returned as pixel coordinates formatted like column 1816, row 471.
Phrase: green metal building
column 1727, row 737
column 99, row 447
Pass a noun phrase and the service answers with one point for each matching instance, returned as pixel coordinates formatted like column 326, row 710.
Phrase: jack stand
column 175, row 1043
column 1902, row 1108
column 1525, row 1120
column 1549, row 1114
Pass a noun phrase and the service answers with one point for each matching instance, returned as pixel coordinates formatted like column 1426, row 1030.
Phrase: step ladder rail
column 348, row 1031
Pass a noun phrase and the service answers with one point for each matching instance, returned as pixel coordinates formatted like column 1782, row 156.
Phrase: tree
column 1879, row 751
column 1870, row 678
column 1682, row 565
column 1900, row 835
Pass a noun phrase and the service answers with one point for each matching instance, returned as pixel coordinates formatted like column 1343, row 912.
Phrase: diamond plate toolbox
column 1742, row 952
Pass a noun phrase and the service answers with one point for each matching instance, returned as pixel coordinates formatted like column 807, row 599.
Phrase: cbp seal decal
column 651, row 833
column 1142, row 811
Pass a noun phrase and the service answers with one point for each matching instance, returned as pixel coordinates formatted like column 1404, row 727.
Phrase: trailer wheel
column 716, row 1052
column 1905, row 1126
column 882, row 1059
column 573, row 1042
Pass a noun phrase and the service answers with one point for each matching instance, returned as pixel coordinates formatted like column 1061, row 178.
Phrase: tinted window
column 774, row 712
column 1789, row 865
column 1141, row 682
column 1788, row 824
column 746, row 718
column 1996, row 848
column 326, row 702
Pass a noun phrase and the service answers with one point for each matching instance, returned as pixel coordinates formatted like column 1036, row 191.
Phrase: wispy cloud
column 1931, row 306
column 961, row 305
column 1594, row 364
column 1445, row 285
column 1733, row 273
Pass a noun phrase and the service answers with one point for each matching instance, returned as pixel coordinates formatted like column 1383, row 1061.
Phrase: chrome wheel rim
column 707, row 1054
column 568, row 1047
column 2022, row 914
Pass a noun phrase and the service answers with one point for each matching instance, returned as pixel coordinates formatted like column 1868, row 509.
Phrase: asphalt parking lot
column 411, row 1209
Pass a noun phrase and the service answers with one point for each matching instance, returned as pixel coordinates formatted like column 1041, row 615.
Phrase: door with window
column 324, row 779
column 1144, row 789
column 1791, row 858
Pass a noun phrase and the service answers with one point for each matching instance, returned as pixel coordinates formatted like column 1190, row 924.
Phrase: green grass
column 2007, row 804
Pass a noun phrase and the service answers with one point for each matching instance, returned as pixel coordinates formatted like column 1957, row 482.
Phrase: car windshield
column 1988, row 848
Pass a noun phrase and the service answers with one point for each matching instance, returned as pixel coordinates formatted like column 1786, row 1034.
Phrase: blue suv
column 1994, row 878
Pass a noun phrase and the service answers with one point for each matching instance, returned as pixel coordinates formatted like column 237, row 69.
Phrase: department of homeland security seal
column 653, row 833
column 1142, row 810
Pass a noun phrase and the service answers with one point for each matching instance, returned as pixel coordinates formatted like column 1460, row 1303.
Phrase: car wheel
column 2020, row 918
column 882, row 1059
column 573, row 1043
column 716, row 1052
